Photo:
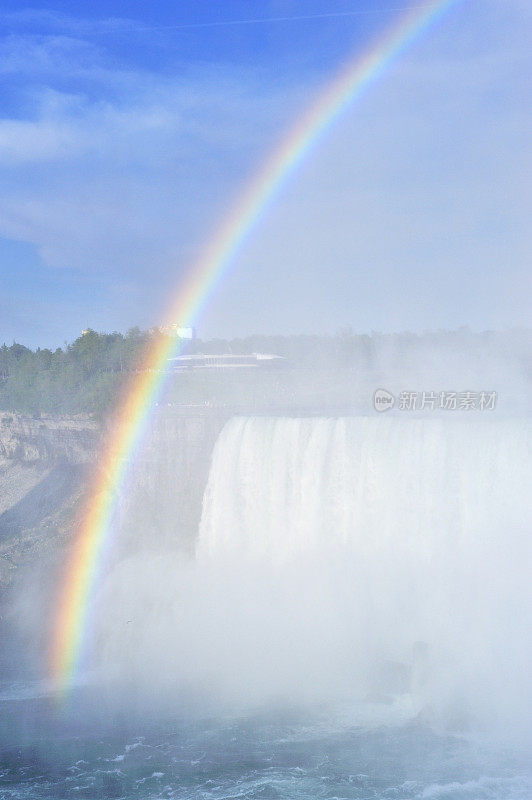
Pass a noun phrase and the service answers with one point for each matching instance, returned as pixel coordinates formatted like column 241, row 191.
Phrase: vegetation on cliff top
column 87, row 375
column 83, row 376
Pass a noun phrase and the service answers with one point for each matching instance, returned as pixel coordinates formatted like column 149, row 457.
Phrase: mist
column 328, row 548
column 284, row 553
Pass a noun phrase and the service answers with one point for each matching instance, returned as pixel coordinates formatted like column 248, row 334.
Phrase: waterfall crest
column 280, row 487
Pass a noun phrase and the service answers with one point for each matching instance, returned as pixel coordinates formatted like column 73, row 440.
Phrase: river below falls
column 337, row 752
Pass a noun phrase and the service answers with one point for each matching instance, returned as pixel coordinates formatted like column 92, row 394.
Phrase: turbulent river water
column 355, row 624
column 323, row 753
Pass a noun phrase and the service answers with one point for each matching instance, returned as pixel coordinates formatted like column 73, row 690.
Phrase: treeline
column 87, row 376
column 82, row 377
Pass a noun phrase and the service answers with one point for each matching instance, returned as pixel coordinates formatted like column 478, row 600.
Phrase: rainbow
column 95, row 531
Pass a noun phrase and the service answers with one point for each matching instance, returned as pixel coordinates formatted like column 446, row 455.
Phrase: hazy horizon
column 339, row 332
column 124, row 142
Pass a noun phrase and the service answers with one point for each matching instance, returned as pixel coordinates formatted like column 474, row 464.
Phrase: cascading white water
column 390, row 531
column 382, row 562
column 279, row 487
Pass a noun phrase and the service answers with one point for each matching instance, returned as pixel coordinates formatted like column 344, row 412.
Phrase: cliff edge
column 43, row 462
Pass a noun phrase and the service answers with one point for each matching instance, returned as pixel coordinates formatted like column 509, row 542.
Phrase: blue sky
column 126, row 129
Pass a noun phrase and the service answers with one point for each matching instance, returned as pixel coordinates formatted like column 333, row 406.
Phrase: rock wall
column 45, row 467
column 47, row 439
column 45, row 472
column 161, row 506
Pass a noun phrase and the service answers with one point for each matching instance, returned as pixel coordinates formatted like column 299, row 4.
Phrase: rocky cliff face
column 43, row 463
column 47, row 439
column 45, row 472
column 161, row 506
column 45, row 467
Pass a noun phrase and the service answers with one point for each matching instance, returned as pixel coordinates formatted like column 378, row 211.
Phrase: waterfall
column 379, row 533
column 422, row 489
column 380, row 559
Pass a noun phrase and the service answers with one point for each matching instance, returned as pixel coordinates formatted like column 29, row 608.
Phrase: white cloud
column 415, row 203
column 129, row 178
column 414, row 212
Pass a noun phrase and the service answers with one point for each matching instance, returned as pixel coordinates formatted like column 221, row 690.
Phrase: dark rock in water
column 457, row 716
column 387, row 680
